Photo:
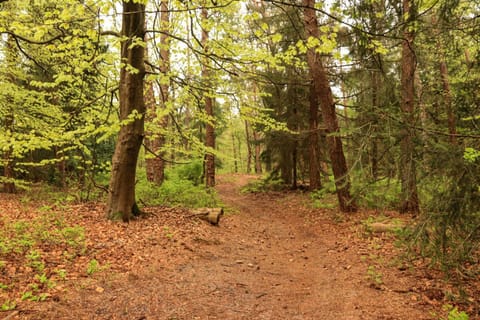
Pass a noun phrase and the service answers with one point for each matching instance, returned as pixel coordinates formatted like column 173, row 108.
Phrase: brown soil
column 271, row 257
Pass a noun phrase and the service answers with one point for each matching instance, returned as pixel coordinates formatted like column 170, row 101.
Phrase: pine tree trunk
column 447, row 98
column 209, row 127
column 327, row 105
column 409, row 200
column 374, row 144
column 315, row 182
column 121, row 197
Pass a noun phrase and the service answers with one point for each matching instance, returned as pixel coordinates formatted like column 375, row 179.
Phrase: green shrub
column 448, row 231
column 380, row 194
column 181, row 187
column 268, row 183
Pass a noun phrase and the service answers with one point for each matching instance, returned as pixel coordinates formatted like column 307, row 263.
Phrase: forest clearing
column 240, row 159
column 272, row 257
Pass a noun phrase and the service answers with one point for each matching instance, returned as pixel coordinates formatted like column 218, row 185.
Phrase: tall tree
column 155, row 140
column 209, row 102
column 327, row 106
column 121, row 203
column 409, row 195
column 314, row 161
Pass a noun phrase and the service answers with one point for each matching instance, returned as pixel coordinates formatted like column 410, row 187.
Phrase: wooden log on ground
column 211, row 215
column 380, row 227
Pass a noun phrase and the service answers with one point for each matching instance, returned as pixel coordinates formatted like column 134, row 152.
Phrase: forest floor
column 272, row 256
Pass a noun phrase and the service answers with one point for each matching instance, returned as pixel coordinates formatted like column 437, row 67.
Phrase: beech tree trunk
column 409, row 194
column 209, row 127
column 327, row 105
column 121, row 196
column 315, row 182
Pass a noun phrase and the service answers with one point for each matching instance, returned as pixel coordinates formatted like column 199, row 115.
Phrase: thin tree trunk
column 446, row 92
column 409, row 200
column 327, row 105
column 121, row 202
column 249, row 147
column 151, row 140
column 374, row 142
column 447, row 98
column 258, row 151
column 234, row 148
column 8, row 161
column 155, row 163
column 209, row 127
column 315, row 182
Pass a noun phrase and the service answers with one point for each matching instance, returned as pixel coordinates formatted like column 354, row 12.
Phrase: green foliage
column 374, row 276
column 192, row 172
column 8, row 305
column 180, row 188
column 266, row 184
column 454, row 313
column 23, row 240
column 93, row 267
column 380, row 194
column 449, row 228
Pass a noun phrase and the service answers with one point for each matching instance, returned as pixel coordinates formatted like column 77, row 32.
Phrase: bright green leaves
column 471, row 155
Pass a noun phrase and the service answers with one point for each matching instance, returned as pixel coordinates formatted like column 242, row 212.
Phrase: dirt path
column 272, row 258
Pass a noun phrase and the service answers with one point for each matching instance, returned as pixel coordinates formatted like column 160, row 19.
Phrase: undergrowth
column 182, row 187
column 23, row 242
column 265, row 184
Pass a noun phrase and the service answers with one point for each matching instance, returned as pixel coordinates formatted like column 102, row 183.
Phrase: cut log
column 211, row 215
column 379, row 227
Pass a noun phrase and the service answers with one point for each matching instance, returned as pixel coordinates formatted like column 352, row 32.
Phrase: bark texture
column 327, row 105
column 315, row 182
column 121, row 197
column 409, row 200
column 209, row 128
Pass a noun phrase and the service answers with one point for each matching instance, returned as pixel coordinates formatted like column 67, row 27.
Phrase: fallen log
column 211, row 215
column 379, row 227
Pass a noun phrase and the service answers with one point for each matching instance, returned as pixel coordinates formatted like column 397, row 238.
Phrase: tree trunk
column 209, row 127
column 11, row 58
column 327, row 105
column 315, row 182
column 249, row 147
column 258, row 151
column 155, row 163
column 121, row 196
column 235, row 156
column 8, row 161
column 409, row 195
column 447, row 98
column 374, row 143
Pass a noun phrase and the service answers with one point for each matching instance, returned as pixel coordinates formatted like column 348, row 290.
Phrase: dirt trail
column 272, row 258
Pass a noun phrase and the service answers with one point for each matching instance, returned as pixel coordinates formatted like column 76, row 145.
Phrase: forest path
column 272, row 257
